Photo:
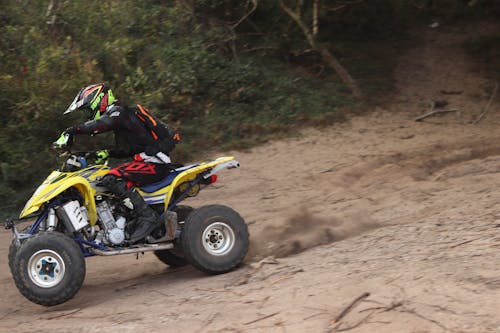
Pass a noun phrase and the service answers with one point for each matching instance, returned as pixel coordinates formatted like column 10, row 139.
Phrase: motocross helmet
column 93, row 99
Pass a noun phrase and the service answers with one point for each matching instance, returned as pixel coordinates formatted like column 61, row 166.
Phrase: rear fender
column 190, row 174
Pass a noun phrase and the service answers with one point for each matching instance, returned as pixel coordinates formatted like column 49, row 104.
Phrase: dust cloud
column 303, row 231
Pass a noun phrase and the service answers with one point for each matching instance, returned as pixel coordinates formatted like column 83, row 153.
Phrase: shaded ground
column 405, row 211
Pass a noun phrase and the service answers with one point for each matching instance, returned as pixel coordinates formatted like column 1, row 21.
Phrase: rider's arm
column 103, row 124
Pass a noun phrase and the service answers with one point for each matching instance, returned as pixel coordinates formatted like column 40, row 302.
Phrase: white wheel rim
column 218, row 239
column 46, row 268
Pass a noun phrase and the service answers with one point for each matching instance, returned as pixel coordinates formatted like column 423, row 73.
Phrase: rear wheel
column 172, row 258
column 215, row 239
column 49, row 268
column 175, row 257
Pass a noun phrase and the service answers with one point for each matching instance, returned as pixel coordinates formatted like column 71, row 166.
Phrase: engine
column 75, row 218
column 113, row 231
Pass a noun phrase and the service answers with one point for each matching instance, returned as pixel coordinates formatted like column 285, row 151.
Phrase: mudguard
column 164, row 195
column 190, row 174
column 58, row 182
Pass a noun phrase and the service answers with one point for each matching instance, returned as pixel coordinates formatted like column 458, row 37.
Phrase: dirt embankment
column 405, row 211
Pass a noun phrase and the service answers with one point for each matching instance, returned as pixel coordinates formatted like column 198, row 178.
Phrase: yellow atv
column 78, row 218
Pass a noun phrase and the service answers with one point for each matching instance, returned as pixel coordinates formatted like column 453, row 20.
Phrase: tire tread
column 75, row 274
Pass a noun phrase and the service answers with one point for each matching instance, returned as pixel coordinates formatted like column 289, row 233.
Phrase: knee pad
column 114, row 184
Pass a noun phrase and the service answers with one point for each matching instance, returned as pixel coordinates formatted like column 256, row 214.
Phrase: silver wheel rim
column 218, row 239
column 46, row 268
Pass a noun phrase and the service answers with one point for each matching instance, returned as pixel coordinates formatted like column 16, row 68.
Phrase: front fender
column 48, row 192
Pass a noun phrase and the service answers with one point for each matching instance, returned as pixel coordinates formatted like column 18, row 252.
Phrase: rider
column 138, row 135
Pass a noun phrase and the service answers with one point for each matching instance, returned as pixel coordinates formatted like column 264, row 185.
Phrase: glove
column 101, row 156
column 64, row 140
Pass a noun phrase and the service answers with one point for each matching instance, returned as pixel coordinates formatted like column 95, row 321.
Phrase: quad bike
column 78, row 218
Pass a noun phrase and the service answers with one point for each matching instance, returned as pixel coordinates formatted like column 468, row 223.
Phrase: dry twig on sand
column 350, row 307
column 399, row 305
column 434, row 112
column 465, row 242
column 362, row 321
column 261, row 318
column 63, row 314
column 435, row 322
column 385, row 308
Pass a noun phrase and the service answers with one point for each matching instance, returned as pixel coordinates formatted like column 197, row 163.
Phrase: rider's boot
column 147, row 218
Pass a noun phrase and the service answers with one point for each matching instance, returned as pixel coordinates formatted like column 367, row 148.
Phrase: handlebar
column 79, row 160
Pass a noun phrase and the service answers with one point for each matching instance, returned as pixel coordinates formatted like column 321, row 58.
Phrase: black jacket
column 131, row 135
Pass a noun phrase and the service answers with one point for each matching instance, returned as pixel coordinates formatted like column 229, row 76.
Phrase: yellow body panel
column 182, row 177
column 57, row 182
column 190, row 174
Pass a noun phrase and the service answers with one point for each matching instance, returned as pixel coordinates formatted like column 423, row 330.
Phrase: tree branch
column 297, row 18
column 255, row 3
column 342, row 5
column 328, row 57
column 315, row 17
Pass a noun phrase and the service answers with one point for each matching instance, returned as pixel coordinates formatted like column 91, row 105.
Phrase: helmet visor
column 76, row 104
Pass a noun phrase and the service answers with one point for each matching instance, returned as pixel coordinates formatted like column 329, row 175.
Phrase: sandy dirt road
column 404, row 211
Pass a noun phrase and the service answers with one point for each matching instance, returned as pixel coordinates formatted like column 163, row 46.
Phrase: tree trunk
column 315, row 17
column 326, row 55
column 341, row 72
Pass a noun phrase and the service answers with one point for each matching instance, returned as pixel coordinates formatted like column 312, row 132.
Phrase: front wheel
column 215, row 239
column 14, row 246
column 12, row 254
column 49, row 268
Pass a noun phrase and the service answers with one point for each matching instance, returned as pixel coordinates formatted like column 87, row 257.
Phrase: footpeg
column 170, row 221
